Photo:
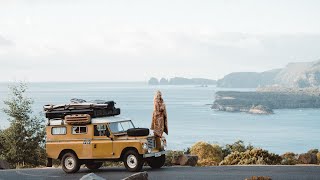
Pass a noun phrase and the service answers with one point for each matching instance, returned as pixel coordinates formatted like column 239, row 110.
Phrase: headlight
column 145, row 146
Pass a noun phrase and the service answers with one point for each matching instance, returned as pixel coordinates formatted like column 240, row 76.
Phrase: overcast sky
column 64, row 40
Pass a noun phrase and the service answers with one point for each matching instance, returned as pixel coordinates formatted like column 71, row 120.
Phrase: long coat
column 159, row 119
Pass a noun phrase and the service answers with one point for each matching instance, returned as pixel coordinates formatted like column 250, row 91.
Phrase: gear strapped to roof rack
column 97, row 108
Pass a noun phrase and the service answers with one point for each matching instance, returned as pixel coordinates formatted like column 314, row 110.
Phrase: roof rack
column 96, row 108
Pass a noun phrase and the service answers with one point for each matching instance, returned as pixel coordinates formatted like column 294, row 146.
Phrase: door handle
column 95, row 146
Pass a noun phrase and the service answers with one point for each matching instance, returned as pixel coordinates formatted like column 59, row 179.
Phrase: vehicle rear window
column 58, row 130
column 79, row 130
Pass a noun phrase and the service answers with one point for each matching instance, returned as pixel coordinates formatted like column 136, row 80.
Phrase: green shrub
column 253, row 156
column 313, row 151
column 209, row 155
column 237, row 146
column 289, row 158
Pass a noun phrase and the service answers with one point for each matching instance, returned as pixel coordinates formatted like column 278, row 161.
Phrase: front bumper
column 157, row 154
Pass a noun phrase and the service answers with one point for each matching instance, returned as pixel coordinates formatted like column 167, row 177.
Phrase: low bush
column 289, row 158
column 237, row 146
column 209, row 155
column 171, row 156
column 313, row 151
column 253, row 156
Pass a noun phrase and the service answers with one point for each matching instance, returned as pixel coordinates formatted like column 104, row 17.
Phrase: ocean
column 190, row 117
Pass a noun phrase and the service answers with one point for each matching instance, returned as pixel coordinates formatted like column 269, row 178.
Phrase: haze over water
column 190, row 117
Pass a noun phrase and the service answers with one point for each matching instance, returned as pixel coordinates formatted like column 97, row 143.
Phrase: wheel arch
column 126, row 150
column 63, row 152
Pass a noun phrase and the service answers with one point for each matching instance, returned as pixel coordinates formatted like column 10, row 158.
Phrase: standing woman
column 159, row 117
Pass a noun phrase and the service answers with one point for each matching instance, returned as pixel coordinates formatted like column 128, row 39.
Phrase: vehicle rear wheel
column 157, row 162
column 94, row 165
column 133, row 161
column 70, row 163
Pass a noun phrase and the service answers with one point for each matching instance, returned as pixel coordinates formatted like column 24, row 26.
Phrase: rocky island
column 181, row 81
column 264, row 100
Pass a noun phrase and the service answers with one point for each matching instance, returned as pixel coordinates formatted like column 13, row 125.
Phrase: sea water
column 190, row 117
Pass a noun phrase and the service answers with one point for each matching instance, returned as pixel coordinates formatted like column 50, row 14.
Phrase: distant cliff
column 248, row 79
column 181, row 81
column 234, row 101
column 303, row 74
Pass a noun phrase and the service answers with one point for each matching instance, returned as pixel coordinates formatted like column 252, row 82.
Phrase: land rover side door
column 101, row 143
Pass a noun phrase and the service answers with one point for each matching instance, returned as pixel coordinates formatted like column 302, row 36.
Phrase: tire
column 138, row 132
column 157, row 162
column 94, row 165
column 133, row 161
column 70, row 163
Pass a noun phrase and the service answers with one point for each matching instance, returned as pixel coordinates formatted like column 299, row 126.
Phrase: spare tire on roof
column 138, row 132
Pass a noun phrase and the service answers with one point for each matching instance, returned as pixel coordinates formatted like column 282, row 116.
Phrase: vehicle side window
column 79, row 130
column 100, row 130
column 115, row 127
column 58, row 130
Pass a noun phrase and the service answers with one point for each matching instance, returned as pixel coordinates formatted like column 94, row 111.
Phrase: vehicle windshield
column 121, row 127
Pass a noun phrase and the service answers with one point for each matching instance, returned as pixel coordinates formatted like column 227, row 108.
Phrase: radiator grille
column 151, row 142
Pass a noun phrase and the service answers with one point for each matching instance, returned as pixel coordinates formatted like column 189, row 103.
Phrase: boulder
column 176, row 160
column 92, row 176
column 138, row 176
column 186, row 160
column 260, row 110
column 4, row 164
column 307, row 158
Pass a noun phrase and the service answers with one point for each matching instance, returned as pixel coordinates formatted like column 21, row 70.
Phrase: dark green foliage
column 187, row 151
column 313, row 151
column 23, row 142
column 237, row 146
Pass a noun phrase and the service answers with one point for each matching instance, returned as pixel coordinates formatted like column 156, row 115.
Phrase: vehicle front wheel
column 157, row 162
column 70, row 163
column 133, row 161
column 94, row 165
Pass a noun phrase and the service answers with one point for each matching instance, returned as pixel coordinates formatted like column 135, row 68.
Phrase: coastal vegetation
column 264, row 100
column 238, row 153
column 208, row 154
column 22, row 143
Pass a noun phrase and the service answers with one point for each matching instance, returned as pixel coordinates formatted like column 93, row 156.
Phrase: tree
column 23, row 141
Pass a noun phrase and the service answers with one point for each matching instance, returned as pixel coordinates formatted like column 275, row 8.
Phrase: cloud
column 138, row 54
column 5, row 42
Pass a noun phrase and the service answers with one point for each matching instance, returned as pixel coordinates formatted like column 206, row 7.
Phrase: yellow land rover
column 79, row 139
